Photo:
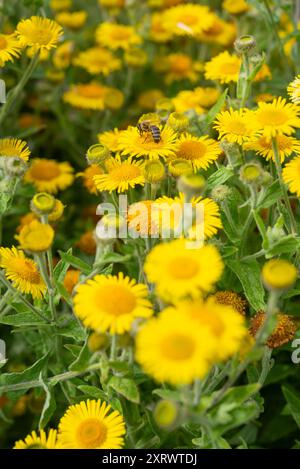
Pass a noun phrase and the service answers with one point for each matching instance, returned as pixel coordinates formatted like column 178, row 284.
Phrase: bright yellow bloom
column 174, row 349
column 35, row 236
column 223, row 68
column 294, row 90
column 14, row 147
column 180, row 67
column 38, row 440
column 200, row 151
column 49, row 175
column 111, row 3
column 10, row 48
column 117, row 36
column 178, row 271
column 220, row 32
column 148, row 99
column 39, row 33
column 120, row 176
column 158, row 30
column 87, row 96
column 91, row 424
column 133, row 144
column 235, row 126
column 57, row 211
column 263, row 74
column 291, row 175
column 279, row 274
column 58, row 5
column 111, row 303
column 276, row 118
column 235, row 7
column 110, row 139
column 72, row 20
column 263, row 147
column 22, row 272
column 188, row 19
column 196, row 99
column 88, row 177
column 63, row 55
column 97, row 60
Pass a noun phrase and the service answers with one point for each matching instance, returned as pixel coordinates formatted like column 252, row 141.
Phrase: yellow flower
column 112, row 3
column 49, row 175
column 14, row 147
column 158, row 30
column 291, row 175
column 110, row 139
column 174, row 349
column 111, row 303
column 234, row 126
column 72, row 20
column 232, row 299
column 263, row 147
column 223, row 321
column 86, row 96
column 57, row 211
column 91, row 424
column 282, row 334
column 200, row 151
column 39, row 33
column 264, row 97
column 22, row 271
column 58, row 5
column 180, row 67
column 196, row 99
column 188, row 20
column 71, row 279
column 36, row 236
column 63, row 54
column 178, row 271
column 223, row 67
column 133, row 144
column 279, row 274
column 10, row 48
column 117, row 36
column 38, row 440
column 220, row 32
column 120, row 176
column 88, row 177
column 276, row 118
column 264, row 73
column 235, row 7
column 148, row 99
column 97, row 60
column 294, row 90
column 87, row 243
column 25, row 220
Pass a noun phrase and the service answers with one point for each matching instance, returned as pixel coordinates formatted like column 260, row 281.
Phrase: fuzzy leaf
column 125, row 387
column 49, row 404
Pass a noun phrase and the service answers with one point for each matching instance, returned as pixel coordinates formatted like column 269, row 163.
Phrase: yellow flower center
column 183, row 267
column 230, row 68
column 213, row 321
column 91, row 433
column 25, row 269
column 40, row 36
column 272, row 117
column 91, row 91
column 3, row 43
column 237, row 127
column 191, row 150
column 178, row 346
column 181, row 64
column 125, row 172
column 190, row 20
column 120, row 34
column 45, row 170
column 115, row 299
column 284, row 143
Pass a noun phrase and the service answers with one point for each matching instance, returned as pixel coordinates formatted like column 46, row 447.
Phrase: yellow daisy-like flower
column 71, row 279
column 220, row 32
column 97, row 60
column 200, row 151
column 235, row 126
column 188, row 20
column 10, row 48
column 91, row 424
column 180, row 67
column 148, row 99
column 111, row 303
column 294, row 90
column 35, row 236
column 117, row 36
column 72, row 20
column 224, row 322
column 279, row 274
column 39, row 440
column 235, row 7
column 178, row 271
column 63, row 55
column 88, row 177
column 39, row 33
column 87, row 96
column 173, row 348
column 196, row 99
column 263, row 147
column 110, row 139
column 22, row 271
column 14, row 147
column 263, row 74
column 276, row 118
column 133, row 144
column 120, row 176
column 158, row 31
column 223, row 68
column 291, row 175
column 49, row 175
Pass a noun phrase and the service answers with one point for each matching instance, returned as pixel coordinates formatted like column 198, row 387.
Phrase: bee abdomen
column 155, row 133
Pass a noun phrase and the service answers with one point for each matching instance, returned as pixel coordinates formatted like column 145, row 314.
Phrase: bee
column 147, row 127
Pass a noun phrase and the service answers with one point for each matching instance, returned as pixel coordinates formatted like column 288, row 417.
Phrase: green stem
column 41, row 261
column 113, row 347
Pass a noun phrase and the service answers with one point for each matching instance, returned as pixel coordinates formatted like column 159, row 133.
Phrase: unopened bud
column 97, row 154
column 42, row 203
column 245, row 44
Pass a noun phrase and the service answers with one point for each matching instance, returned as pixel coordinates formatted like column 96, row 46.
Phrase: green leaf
column 168, row 394
column 82, row 361
column 31, row 373
column 219, row 177
column 271, row 196
column 76, row 262
column 248, row 273
column 113, row 257
column 126, row 387
column 49, row 404
column 73, row 330
column 210, row 116
column 288, row 244
column 239, row 394
column 61, row 268
column 23, row 319
column 293, row 401
column 93, row 391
